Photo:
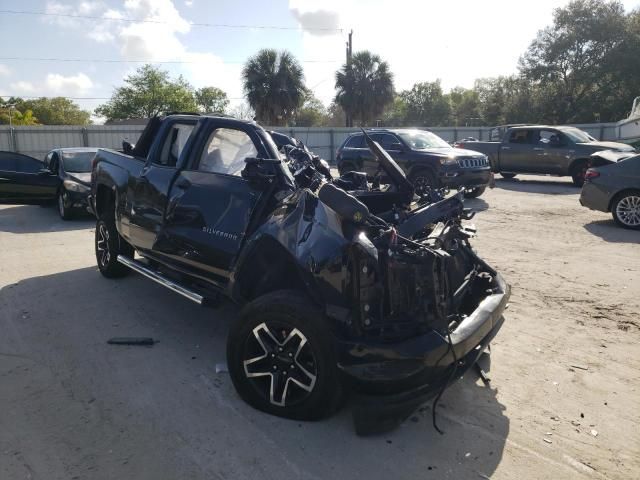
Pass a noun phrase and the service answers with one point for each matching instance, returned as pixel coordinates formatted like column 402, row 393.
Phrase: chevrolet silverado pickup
column 345, row 285
column 562, row 151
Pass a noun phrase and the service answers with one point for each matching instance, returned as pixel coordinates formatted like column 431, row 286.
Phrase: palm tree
column 364, row 87
column 274, row 86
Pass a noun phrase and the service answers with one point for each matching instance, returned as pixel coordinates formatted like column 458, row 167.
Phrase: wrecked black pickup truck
column 345, row 285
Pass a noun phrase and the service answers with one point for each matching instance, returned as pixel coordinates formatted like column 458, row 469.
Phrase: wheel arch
column 619, row 194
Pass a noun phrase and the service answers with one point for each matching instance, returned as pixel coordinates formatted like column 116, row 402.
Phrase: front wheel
column 64, row 208
column 626, row 210
column 281, row 357
column 108, row 245
column 423, row 181
column 474, row 192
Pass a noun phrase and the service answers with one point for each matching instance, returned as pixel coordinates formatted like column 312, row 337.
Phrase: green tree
column 149, row 92
column 364, row 87
column 577, row 61
column 465, row 107
column 57, row 111
column 312, row 113
column 16, row 117
column 335, row 116
column 211, row 100
column 274, row 86
column 427, row 105
column 395, row 115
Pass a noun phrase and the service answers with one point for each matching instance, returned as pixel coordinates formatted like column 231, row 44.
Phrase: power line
column 193, row 24
column 103, row 60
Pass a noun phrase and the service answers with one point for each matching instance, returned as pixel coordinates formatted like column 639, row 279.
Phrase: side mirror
column 44, row 171
column 258, row 173
column 127, row 147
column 396, row 147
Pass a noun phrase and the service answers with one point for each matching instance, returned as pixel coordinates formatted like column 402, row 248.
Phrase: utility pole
column 349, row 120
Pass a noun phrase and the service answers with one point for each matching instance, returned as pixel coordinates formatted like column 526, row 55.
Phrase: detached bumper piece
column 395, row 379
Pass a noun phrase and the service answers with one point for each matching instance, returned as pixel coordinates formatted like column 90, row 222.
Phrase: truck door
column 552, row 150
column 516, row 151
column 148, row 192
column 210, row 204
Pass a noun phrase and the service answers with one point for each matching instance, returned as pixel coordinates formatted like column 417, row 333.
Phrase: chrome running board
column 161, row 279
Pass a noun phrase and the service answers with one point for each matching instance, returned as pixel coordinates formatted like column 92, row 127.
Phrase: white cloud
column 317, row 22
column 4, row 70
column 188, row 3
column 70, row 86
column 22, row 88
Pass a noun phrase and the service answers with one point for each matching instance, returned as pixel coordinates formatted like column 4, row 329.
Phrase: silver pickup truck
column 562, row 151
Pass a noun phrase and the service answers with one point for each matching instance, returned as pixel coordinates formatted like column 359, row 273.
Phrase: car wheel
column 626, row 210
column 64, row 210
column 422, row 181
column 507, row 175
column 474, row 192
column 108, row 245
column 281, row 357
column 578, row 172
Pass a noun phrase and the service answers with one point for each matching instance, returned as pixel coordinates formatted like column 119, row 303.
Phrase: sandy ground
column 564, row 401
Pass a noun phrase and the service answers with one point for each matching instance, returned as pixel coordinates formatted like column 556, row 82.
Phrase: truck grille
column 473, row 162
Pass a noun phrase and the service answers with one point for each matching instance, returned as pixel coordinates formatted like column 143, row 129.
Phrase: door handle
column 538, row 149
column 506, row 148
column 2, row 179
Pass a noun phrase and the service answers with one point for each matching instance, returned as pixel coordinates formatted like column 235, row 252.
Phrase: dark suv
column 426, row 159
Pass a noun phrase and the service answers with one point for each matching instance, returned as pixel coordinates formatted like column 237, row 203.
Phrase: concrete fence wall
column 37, row 141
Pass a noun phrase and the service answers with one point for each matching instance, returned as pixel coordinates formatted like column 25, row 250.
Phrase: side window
column 386, row 140
column 550, row 138
column 173, row 144
column 520, row 136
column 225, row 152
column 7, row 162
column 355, row 141
column 29, row 165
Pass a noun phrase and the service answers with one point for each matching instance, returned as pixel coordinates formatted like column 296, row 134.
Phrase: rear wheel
column 578, row 172
column 64, row 205
column 474, row 192
column 422, row 181
column 281, row 357
column 108, row 245
column 626, row 210
column 507, row 175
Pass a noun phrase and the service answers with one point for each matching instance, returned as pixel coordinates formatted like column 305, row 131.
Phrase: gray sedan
column 615, row 188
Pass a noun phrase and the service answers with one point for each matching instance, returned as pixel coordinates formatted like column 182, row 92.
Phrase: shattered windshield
column 421, row 140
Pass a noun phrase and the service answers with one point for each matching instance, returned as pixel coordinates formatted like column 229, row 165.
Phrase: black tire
column 423, row 178
column 578, row 171
column 347, row 167
column 108, row 245
column 64, row 209
column 508, row 175
column 263, row 351
column 625, row 209
column 474, row 192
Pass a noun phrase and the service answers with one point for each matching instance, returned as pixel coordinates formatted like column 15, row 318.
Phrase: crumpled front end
column 425, row 306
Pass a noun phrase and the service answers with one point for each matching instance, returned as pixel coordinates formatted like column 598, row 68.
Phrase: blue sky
column 456, row 41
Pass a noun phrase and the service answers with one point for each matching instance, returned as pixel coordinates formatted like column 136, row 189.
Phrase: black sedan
column 615, row 188
column 64, row 176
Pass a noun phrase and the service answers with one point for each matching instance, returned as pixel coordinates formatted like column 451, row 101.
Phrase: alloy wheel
column 280, row 363
column 628, row 210
column 103, row 246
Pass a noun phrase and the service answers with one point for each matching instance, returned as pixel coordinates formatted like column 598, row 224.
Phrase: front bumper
column 392, row 380
column 456, row 177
